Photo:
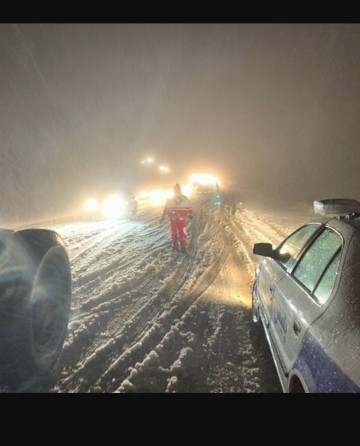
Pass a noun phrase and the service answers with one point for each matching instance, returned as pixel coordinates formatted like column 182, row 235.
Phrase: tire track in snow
column 124, row 324
column 234, row 367
column 138, row 324
column 120, row 302
column 162, row 331
column 148, row 357
column 117, row 373
column 115, row 300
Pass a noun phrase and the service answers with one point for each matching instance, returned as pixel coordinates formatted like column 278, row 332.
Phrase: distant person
column 178, row 209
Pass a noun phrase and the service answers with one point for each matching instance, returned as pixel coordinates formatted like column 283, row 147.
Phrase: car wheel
column 254, row 306
column 296, row 386
column 36, row 309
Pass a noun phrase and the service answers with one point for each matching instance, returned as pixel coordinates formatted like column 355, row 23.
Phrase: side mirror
column 263, row 249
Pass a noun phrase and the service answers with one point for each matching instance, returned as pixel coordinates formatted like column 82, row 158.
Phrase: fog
column 272, row 107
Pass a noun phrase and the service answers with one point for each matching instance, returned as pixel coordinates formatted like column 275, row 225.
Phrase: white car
column 306, row 294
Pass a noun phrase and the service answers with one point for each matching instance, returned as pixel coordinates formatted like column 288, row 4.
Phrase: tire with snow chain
column 35, row 294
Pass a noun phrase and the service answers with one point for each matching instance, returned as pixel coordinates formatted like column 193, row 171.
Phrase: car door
column 270, row 274
column 273, row 270
column 298, row 299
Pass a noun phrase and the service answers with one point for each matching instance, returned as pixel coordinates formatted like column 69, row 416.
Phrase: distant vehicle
column 112, row 203
column 198, row 188
column 306, row 294
column 35, row 294
column 204, row 184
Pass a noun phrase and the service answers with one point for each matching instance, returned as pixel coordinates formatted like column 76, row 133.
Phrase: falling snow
column 146, row 319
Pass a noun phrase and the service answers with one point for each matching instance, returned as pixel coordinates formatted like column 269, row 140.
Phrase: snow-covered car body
column 35, row 294
column 111, row 203
column 306, row 293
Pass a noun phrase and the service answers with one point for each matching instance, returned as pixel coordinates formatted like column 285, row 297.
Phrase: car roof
column 355, row 222
column 341, row 222
column 347, row 228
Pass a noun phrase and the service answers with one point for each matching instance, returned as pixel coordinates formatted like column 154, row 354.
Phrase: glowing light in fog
column 160, row 194
column 90, row 205
column 113, row 207
column 204, row 179
column 156, row 196
column 164, row 169
column 148, row 160
column 186, row 189
column 143, row 194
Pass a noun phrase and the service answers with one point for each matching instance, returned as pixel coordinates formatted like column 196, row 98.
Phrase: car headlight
column 114, row 207
column 90, row 205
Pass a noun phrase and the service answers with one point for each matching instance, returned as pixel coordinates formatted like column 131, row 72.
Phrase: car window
column 326, row 284
column 317, row 258
column 291, row 247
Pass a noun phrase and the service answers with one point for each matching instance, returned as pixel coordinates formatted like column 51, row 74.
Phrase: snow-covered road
column 147, row 319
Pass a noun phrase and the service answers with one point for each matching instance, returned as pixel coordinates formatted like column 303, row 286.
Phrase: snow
column 147, row 319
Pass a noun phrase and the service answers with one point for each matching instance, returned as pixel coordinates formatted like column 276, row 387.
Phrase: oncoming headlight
column 160, row 195
column 114, row 207
column 90, row 205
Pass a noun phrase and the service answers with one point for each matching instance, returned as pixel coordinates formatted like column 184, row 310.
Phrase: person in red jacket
column 178, row 209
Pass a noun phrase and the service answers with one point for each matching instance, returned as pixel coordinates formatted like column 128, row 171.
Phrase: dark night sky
column 272, row 106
